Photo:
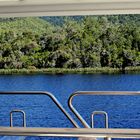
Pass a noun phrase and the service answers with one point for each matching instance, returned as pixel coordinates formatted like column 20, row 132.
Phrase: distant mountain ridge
column 112, row 18
column 59, row 21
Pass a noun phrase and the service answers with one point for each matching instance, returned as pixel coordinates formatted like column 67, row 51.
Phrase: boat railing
column 23, row 117
column 83, row 93
column 50, row 95
column 78, row 132
column 99, row 113
column 105, row 122
column 70, row 132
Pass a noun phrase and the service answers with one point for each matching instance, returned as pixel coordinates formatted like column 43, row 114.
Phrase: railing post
column 106, row 121
column 11, row 117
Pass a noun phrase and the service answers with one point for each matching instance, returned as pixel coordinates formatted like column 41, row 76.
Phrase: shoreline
column 104, row 70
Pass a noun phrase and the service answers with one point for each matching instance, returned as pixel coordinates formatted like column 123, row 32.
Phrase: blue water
column 123, row 111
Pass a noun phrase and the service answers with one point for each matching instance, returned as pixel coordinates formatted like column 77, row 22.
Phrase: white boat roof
column 21, row 8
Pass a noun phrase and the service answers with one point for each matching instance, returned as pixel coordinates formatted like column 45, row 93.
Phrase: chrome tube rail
column 11, row 117
column 100, row 113
column 70, row 132
column 78, row 93
column 106, row 120
column 51, row 96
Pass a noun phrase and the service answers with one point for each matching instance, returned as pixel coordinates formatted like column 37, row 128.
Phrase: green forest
column 70, row 42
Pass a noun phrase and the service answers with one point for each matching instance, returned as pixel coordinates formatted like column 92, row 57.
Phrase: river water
column 123, row 111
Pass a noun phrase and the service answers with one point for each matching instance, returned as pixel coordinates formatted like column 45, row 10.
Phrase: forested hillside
column 77, row 42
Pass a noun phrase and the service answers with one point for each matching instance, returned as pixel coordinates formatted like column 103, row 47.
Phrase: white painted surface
column 21, row 8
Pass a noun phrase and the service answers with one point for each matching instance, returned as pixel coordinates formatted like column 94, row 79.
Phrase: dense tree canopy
column 90, row 41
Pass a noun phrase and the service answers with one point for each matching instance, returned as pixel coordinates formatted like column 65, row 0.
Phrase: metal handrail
column 100, row 113
column 74, row 110
column 52, row 97
column 106, row 120
column 70, row 132
column 11, row 117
